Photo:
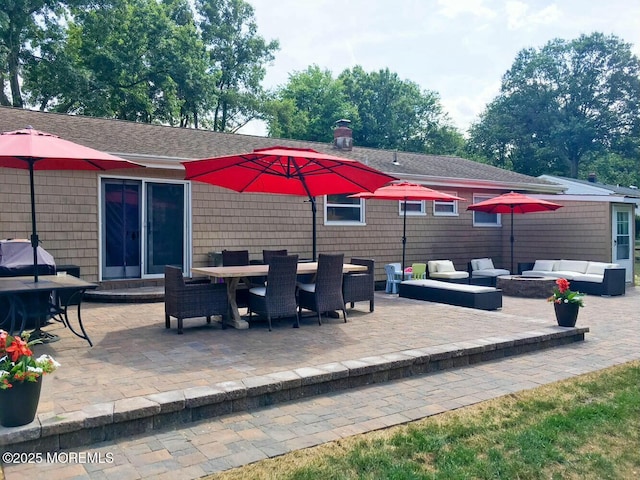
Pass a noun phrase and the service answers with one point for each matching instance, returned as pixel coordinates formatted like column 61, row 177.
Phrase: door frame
column 628, row 264
column 187, row 226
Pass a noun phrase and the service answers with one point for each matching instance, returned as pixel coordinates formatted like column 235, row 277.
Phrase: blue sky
column 458, row 48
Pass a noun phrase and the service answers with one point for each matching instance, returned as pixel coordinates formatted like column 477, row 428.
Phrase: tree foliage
column 386, row 112
column 238, row 55
column 563, row 107
column 140, row 60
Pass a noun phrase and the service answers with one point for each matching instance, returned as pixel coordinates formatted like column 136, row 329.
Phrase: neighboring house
column 128, row 224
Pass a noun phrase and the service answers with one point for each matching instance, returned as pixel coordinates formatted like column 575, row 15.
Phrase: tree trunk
column 16, row 96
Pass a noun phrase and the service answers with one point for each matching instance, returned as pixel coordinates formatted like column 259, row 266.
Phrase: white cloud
column 519, row 15
column 456, row 8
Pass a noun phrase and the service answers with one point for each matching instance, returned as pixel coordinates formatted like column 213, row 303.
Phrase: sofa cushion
column 460, row 287
column 569, row 275
column 485, row 264
column 598, row 268
column 588, row 277
column 450, row 275
column 445, row 266
column 543, row 265
column 577, row 266
column 490, row 272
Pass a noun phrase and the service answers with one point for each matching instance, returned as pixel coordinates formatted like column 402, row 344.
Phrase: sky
column 459, row 49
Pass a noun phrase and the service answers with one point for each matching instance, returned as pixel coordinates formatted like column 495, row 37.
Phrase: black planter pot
column 566, row 313
column 18, row 404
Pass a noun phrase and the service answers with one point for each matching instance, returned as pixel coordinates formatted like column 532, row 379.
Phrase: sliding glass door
column 144, row 227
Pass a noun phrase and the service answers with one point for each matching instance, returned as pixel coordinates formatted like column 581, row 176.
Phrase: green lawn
column 584, row 428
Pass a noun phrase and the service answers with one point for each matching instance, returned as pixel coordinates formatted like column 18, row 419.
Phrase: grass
column 587, row 427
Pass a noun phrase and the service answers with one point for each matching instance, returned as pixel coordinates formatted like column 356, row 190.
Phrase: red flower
column 563, row 284
column 17, row 349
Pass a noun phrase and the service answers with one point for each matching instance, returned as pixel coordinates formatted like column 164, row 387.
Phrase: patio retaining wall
column 167, row 410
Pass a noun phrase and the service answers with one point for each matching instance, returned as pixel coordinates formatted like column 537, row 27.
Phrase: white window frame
column 480, row 197
column 421, row 213
column 359, row 206
column 453, row 203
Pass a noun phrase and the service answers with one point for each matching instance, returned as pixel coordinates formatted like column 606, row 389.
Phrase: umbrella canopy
column 30, row 149
column 513, row 203
column 405, row 191
column 287, row 171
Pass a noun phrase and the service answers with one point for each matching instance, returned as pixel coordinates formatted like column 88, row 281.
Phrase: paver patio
column 134, row 355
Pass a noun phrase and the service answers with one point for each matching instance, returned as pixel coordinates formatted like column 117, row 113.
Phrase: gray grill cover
column 16, row 258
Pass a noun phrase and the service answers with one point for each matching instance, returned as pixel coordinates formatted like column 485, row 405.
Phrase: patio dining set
column 279, row 286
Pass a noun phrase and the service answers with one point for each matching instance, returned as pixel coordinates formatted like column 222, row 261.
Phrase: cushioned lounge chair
column 445, row 270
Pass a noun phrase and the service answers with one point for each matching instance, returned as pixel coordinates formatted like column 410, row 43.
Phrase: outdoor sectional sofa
column 594, row 278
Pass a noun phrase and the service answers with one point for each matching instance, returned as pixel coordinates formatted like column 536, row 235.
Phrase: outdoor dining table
column 55, row 293
column 233, row 275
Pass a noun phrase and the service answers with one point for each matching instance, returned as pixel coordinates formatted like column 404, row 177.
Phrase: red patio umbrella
column 513, row 203
column 287, row 171
column 404, row 191
column 30, row 149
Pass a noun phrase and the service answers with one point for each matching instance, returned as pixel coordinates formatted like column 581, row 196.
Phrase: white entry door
column 622, row 238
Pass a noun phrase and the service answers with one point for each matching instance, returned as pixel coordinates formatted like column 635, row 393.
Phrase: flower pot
column 18, row 404
column 566, row 313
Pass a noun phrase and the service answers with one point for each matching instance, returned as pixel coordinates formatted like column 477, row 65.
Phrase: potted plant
column 20, row 379
column 566, row 303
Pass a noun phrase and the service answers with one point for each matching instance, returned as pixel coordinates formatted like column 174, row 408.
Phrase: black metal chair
column 360, row 286
column 325, row 295
column 278, row 297
column 189, row 300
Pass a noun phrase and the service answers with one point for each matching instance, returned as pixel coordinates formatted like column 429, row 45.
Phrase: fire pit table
column 526, row 287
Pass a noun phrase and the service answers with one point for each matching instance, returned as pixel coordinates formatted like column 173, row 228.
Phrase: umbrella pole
column 34, row 234
column 314, row 212
column 512, row 241
column 404, row 235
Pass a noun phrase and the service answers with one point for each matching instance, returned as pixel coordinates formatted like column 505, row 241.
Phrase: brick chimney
column 592, row 177
column 343, row 135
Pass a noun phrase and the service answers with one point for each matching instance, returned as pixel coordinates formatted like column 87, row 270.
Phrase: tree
column 237, row 55
column 308, row 106
column 385, row 112
column 562, row 105
column 396, row 114
column 136, row 60
column 21, row 22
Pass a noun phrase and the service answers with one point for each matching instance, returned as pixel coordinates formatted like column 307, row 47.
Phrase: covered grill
column 16, row 259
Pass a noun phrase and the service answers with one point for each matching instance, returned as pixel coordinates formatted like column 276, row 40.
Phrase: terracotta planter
column 566, row 313
column 18, row 404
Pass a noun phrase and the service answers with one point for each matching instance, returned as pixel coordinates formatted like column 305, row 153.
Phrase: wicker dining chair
column 189, row 300
column 359, row 286
column 268, row 254
column 325, row 295
column 278, row 297
column 235, row 258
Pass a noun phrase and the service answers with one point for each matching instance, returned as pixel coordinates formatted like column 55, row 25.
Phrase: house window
column 446, row 209
column 482, row 219
column 342, row 210
column 414, row 207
